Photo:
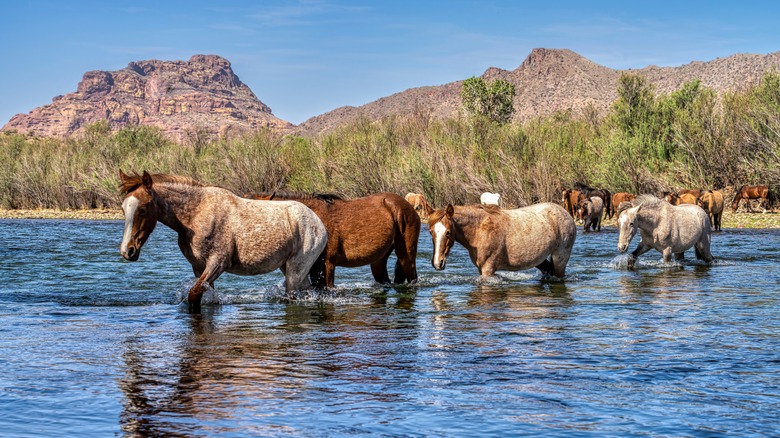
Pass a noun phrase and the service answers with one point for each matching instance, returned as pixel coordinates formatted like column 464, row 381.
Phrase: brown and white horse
column 363, row 231
column 540, row 235
column 221, row 232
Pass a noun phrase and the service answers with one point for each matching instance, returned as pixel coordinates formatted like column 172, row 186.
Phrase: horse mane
column 286, row 195
column 465, row 210
column 579, row 185
column 132, row 182
column 645, row 200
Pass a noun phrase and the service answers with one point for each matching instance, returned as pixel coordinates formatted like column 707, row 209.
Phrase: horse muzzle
column 440, row 266
column 622, row 247
column 131, row 254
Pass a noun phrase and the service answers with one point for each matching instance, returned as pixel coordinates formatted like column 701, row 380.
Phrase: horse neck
column 178, row 204
column 648, row 217
column 466, row 222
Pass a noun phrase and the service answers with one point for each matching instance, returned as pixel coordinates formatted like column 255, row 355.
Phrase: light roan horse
column 362, row 231
column 664, row 227
column 540, row 235
column 420, row 204
column 221, row 232
column 747, row 193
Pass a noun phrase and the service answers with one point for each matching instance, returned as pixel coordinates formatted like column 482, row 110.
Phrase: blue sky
column 304, row 58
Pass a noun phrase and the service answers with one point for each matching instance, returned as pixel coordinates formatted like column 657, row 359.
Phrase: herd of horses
column 307, row 236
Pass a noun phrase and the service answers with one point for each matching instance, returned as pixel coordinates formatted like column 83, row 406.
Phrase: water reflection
column 220, row 367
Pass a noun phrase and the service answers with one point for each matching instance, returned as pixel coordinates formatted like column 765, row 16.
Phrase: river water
column 91, row 345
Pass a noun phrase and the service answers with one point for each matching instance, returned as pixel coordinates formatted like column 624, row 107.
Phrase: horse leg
column 318, row 274
column 679, row 256
column 703, row 249
column 547, row 267
column 210, row 273
column 379, row 268
column 640, row 249
column 667, row 255
column 296, row 272
column 406, row 263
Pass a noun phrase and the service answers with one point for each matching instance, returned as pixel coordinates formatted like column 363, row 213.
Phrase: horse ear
column 638, row 207
column 146, row 180
column 450, row 210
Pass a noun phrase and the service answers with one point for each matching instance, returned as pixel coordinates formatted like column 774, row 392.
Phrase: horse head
column 627, row 225
column 141, row 213
column 440, row 224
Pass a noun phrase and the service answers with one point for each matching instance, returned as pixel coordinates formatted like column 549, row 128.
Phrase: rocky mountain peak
column 180, row 97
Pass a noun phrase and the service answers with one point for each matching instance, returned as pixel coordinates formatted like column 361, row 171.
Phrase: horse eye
column 447, row 234
column 142, row 211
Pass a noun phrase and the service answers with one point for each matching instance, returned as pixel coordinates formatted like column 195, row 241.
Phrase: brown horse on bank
column 604, row 194
column 748, row 193
column 420, row 204
column 362, row 231
column 570, row 199
column 619, row 198
column 711, row 201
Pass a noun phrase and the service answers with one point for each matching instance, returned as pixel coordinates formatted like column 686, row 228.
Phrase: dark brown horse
column 748, row 193
column 362, row 231
column 604, row 194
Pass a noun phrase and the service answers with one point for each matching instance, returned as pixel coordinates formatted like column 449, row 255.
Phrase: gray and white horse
column 664, row 227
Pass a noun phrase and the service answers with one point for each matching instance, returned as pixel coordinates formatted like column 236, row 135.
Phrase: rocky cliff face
column 179, row 97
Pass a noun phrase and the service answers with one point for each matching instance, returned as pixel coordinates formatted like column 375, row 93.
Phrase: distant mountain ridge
column 205, row 94
column 551, row 80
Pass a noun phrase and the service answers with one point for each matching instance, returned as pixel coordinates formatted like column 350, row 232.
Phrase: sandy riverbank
column 105, row 214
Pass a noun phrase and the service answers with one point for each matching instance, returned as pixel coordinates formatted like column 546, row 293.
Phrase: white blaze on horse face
column 627, row 229
column 130, row 207
column 440, row 236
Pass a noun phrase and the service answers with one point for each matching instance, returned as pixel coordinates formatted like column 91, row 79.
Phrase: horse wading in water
column 540, row 235
column 664, row 227
column 362, row 231
column 221, row 232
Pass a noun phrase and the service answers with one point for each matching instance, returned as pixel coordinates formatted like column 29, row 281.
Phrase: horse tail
column 407, row 230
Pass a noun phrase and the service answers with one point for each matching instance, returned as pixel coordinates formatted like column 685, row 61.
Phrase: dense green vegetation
column 646, row 143
column 492, row 100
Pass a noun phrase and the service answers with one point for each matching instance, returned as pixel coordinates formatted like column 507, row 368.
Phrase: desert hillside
column 205, row 95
